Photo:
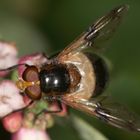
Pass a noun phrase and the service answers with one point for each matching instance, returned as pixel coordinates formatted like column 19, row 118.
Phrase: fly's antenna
column 13, row 67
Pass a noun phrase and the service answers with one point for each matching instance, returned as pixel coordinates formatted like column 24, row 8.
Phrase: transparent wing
column 108, row 111
column 101, row 30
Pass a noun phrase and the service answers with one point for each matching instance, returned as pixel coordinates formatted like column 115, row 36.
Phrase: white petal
column 10, row 99
column 8, row 55
column 4, row 110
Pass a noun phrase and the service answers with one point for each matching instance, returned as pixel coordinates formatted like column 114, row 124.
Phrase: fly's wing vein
column 99, row 32
column 108, row 111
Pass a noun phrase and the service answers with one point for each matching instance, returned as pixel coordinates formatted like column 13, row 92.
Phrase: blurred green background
column 50, row 25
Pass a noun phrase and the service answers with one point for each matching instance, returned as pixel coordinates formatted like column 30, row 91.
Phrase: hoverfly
column 77, row 76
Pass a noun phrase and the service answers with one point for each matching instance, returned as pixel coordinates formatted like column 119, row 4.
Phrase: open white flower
column 10, row 99
column 8, row 54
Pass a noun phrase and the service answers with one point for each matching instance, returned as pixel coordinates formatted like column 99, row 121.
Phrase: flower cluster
column 18, row 116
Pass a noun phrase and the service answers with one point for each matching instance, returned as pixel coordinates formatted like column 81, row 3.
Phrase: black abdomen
column 101, row 72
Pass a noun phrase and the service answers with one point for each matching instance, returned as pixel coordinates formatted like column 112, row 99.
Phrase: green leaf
column 86, row 131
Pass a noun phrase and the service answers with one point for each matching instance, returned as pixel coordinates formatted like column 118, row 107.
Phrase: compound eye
column 30, row 74
column 33, row 92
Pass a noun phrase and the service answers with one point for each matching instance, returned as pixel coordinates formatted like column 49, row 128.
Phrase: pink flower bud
column 13, row 122
column 30, row 134
column 64, row 111
column 8, row 56
column 54, row 106
column 35, row 59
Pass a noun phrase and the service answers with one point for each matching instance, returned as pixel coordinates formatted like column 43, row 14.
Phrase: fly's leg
column 22, row 109
column 14, row 67
column 53, row 111
column 51, row 99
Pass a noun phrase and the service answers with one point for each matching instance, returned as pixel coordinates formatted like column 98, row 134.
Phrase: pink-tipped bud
column 35, row 59
column 13, row 122
column 54, row 106
column 30, row 134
